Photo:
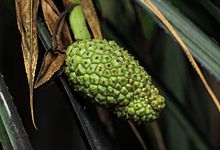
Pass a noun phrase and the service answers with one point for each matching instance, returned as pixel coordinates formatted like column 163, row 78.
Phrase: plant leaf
column 91, row 17
column 12, row 132
column 203, row 49
column 50, row 12
column 155, row 7
column 61, row 37
column 53, row 60
column 52, row 63
column 51, row 15
column 26, row 11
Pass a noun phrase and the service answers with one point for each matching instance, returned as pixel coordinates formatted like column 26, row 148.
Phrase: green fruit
column 109, row 76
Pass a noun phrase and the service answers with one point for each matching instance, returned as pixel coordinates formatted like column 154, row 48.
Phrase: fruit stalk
column 107, row 75
column 78, row 23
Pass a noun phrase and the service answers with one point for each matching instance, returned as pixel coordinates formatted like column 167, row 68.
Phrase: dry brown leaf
column 69, row 3
column 50, row 12
column 61, row 38
column 53, row 59
column 51, row 15
column 52, row 63
column 26, row 11
column 91, row 17
column 185, row 49
column 57, row 42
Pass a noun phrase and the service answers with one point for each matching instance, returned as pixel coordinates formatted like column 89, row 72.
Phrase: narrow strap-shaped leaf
column 154, row 7
column 96, row 139
column 91, row 17
column 26, row 11
column 12, row 133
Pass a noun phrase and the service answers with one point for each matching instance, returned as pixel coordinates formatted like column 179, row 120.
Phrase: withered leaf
column 26, row 12
column 50, row 12
column 51, row 15
column 91, row 17
column 57, row 42
column 53, row 59
column 52, row 63
column 61, row 38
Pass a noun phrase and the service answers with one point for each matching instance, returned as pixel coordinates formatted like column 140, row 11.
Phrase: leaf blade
column 157, row 12
column 52, row 63
column 191, row 32
column 51, row 15
column 26, row 11
column 12, row 132
column 61, row 38
column 91, row 17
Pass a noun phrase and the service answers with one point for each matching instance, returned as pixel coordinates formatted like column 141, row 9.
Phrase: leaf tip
column 32, row 110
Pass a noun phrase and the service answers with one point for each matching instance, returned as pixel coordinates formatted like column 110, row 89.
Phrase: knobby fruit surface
column 109, row 76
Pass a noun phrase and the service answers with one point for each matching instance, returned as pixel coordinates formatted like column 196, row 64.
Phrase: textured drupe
column 106, row 74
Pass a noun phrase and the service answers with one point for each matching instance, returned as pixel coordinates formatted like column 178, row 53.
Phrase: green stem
column 78, row 23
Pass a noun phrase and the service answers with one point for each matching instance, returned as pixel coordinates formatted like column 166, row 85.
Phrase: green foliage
column 206, row 51
column 186, row 97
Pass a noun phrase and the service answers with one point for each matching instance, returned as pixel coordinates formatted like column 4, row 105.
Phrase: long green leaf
column 173, row 109
column 12, row 132
column 206, row 51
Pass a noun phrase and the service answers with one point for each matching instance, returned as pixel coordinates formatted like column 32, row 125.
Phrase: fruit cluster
column 109, row 76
